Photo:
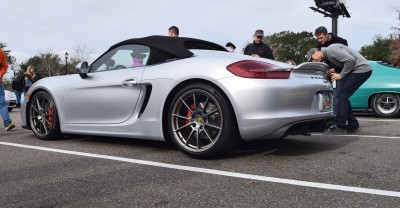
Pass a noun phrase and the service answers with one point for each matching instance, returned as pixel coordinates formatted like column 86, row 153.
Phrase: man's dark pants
column 18, row 95
column 348, row 86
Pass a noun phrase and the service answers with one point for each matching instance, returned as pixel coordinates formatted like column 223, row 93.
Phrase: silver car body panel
column 264, row 108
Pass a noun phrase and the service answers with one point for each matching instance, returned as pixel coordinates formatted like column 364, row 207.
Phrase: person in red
column 3, row 105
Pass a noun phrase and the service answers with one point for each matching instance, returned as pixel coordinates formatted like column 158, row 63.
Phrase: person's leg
column 18, row 95
column 3, row 106
column 335, row 103
column 352, row 122
column 349, row 85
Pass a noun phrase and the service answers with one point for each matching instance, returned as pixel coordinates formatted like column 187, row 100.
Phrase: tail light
column 258, row 70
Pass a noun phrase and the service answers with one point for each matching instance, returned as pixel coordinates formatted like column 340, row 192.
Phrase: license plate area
column 325, row 101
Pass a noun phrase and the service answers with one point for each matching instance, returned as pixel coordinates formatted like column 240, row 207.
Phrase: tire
column 201, row 122
column 10, row 109
column 43, row 116
column 386, row 105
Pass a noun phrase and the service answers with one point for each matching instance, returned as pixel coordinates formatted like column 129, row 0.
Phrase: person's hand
column 330, row 71
column 336, row 76
column 255, row 55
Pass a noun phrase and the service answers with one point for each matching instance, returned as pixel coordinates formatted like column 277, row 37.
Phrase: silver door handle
column 129, row 82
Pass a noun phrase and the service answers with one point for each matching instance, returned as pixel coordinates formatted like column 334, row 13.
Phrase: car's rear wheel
column 43, row 117
column 201, row 122
column 386, row 105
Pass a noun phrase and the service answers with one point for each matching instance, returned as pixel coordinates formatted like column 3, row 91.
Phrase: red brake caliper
column 50, row 118
column 189, row 113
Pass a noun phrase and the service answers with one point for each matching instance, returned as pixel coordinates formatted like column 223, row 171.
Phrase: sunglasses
column 259, row 37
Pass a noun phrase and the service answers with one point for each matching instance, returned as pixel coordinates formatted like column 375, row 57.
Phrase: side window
column 127, row 56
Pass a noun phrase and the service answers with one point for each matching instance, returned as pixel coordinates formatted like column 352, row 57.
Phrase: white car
column 11, row 100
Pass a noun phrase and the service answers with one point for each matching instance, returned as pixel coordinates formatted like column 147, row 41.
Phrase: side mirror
column 83, row 69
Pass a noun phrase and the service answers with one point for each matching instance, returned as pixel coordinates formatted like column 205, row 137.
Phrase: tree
column 287, row 45
column 379, row 50
column 10, row 59
column 50, row 64
column 46, row 64
column 395, row 45
column 80, row 53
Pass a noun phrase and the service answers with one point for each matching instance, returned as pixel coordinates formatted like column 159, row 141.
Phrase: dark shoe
column 336, row 130
column 9, row 126
column 352, row 129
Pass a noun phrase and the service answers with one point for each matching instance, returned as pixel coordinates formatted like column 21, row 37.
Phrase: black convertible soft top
column 175, row 46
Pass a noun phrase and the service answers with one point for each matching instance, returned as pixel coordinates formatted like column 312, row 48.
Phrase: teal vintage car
column 381, row 92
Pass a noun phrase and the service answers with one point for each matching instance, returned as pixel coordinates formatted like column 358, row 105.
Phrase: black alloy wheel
column 201, row 122
column 43, row 117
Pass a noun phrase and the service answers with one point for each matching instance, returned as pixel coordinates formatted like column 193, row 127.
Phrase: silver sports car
column 188, row 91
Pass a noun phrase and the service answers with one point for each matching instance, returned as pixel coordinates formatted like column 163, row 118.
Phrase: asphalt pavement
column 354, row 170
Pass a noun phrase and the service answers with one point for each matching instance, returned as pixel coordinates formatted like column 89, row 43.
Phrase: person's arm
column 268, row 53
column 343, row 41
column 246, row 50
column 3, row 64
column 342, row 56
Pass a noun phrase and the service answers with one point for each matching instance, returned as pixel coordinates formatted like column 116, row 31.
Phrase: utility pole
column 332, row 9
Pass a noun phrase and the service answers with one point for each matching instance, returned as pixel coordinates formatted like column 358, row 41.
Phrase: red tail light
column 258, row 70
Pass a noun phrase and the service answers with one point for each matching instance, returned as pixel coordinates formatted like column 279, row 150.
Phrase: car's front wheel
column 43, row 117
column 201, row 121
column 386, row 105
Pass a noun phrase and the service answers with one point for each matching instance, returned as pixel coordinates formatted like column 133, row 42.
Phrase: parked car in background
column 381, row 92
column 11, row 100
column 187, row 90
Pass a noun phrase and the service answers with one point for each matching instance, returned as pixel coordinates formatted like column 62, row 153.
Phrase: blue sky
column 31, row 27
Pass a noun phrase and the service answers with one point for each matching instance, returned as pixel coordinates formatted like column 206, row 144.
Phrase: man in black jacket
column 258, row 48
column 325, row 39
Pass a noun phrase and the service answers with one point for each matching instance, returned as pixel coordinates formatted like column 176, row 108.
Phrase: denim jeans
column 348, row 86
column 3, row 106
column 18, row 95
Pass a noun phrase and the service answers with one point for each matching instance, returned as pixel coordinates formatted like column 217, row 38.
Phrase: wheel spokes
column 183, row 101
column 214, row 126
column 212, row 112
column 196, row 120
column 41, row 115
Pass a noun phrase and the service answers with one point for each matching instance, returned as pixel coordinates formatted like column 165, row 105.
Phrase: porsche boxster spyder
column 189, row 91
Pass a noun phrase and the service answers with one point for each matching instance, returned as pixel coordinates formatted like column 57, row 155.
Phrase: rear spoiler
column 311, row 68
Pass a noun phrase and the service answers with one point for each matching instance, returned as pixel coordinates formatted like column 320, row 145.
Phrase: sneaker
column 335, row 130
column 9, row 126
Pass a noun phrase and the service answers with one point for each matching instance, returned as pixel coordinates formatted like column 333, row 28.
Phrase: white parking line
column 357, row 135
column 216, row 172
column 375, row 120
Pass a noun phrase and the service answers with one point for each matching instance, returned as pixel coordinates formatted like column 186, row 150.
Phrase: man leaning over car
column 355, row 71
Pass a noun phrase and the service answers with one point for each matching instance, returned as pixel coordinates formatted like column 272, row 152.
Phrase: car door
column 108, row 95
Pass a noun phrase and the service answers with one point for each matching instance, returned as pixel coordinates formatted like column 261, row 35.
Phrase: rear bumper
column 313, row 125
column 299, row 126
